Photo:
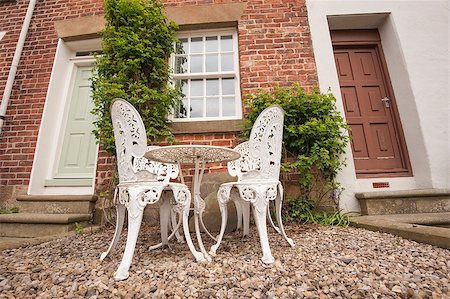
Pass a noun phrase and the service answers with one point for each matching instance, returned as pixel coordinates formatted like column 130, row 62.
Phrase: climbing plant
column 314, row 138
column 136, row 44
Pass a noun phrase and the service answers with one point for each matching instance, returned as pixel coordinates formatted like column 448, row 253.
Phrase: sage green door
column 79, row 150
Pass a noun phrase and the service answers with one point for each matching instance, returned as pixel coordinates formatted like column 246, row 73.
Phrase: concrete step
column 57, row 204
column 26, row 225
column 429, row 228
column 404, row 202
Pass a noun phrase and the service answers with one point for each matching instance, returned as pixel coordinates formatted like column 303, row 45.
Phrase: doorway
column 378, row 145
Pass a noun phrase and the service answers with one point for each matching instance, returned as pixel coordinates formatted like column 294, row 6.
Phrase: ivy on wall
column 137, row 42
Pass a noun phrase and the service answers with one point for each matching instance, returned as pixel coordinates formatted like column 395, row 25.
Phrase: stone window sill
column 196, row 127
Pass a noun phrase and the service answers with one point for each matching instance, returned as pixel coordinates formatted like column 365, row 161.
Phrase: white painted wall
column 415, row 40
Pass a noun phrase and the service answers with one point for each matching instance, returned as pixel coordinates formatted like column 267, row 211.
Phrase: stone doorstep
column 409, row 226
column 14, row 242
column 57, row 207
column 404, row 202
column 56, row 198
column 26, row 225
column 57, row 204
column 404, row 194
column 31, row 218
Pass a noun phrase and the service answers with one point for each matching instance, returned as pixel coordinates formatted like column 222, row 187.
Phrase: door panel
column 359, row 145
column 78, row 151
column 376, row 144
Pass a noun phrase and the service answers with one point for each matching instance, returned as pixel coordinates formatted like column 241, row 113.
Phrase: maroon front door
column 370, row 111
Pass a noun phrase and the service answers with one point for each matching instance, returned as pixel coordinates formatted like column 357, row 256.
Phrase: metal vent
column 380, row 185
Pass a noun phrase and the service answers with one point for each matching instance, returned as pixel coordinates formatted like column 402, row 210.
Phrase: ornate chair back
column 261, row 154
column 131, row 144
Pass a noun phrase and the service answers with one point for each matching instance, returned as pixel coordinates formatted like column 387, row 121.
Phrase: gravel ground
column 327, row 262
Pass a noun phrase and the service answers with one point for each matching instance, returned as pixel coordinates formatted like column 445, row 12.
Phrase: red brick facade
column 274, row 48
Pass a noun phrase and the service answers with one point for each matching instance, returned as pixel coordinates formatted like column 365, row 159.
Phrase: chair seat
column 248, row 183
column 150, row 183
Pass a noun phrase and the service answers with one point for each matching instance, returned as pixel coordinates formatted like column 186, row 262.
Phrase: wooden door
column 78, row 152
column 377, row 140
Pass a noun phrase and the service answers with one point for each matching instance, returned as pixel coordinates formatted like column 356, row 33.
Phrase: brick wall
column 274, row 48
column 23, row 116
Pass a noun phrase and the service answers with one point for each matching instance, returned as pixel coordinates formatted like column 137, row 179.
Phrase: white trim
column 2, row 34
column 48, row 146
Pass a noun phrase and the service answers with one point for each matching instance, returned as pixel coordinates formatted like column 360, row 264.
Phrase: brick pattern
column 274, row 48
column 23, row 116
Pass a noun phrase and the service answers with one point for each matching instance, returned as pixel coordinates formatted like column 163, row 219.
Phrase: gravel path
column 327, row 262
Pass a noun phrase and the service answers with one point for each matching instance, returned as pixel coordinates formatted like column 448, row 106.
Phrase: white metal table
column 198, row 155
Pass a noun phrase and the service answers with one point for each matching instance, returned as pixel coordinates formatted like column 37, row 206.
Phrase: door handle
column 386, row 101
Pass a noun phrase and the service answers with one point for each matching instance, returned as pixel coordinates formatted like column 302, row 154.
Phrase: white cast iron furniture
column 141, row 182
column 198, row 155
column 258, row 172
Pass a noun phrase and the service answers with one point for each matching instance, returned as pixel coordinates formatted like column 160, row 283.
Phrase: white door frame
column 53, row 124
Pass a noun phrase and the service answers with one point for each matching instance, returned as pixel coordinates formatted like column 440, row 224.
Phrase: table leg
column 199, row 204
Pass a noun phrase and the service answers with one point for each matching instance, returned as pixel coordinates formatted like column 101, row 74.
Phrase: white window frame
column 212, row 75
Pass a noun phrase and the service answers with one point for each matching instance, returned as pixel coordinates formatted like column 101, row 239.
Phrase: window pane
column 212, row 87
column 196, row 88
column 197, row 64
column 212, row 63
column 196, row 45
column 212, row 107
column 228, row 106
column 226, row 43
column 227, row 62
column 180, row 65
column 182, row 109
column 196, row 107
column 212, row 44
column 228, row 86
column 183, row 85
column 183, row 46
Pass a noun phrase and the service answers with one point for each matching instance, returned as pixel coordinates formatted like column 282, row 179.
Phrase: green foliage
column 304, row 211
column 78, row 228
column 136, row 43
column 314, row 137
column 12, row 210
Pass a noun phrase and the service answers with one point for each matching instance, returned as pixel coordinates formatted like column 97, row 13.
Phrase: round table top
column 186, row 154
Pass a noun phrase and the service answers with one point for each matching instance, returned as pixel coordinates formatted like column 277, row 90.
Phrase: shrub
column 304, row 211
column 314, row 137
column 136, row 43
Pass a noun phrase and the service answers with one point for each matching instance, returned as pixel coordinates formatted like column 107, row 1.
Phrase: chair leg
column 120, row 216
column 238, row 206
column 269, row 217
column 278, row 202
column 245, row 205
column 164, row 216
column 223, row 197
column 135, row 212
column 260, row 213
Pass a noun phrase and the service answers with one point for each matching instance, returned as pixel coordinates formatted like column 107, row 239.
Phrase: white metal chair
column 258, row 172
column 142, row 182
